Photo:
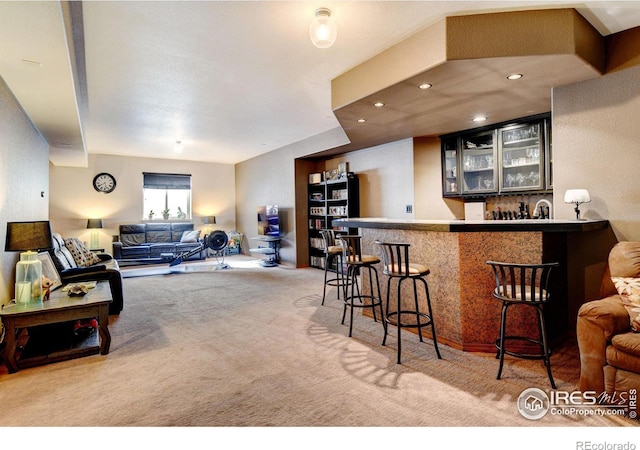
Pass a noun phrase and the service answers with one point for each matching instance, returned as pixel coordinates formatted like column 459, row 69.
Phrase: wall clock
column 104, row 182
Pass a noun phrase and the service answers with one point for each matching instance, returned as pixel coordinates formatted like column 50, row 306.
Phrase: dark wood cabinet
column 508, row 158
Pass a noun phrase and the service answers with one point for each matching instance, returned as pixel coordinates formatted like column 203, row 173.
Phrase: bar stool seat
column 396, row 265
column 333, row 262
column 357, row 262
column 526, row 285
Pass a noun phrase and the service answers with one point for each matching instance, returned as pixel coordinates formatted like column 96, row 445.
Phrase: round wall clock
column 104, row 182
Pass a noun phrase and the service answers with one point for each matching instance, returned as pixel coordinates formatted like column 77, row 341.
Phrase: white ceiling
column 230, row 79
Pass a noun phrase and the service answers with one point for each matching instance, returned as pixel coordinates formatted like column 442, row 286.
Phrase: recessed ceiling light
column 378, row 104
column 424, row 86
column 514, row 76
column 479, row 118
column 362, row 120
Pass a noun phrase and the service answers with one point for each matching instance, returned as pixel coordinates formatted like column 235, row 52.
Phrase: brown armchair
column 609, row 348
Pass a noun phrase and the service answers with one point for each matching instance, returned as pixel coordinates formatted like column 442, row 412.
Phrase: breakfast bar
column 466, row 315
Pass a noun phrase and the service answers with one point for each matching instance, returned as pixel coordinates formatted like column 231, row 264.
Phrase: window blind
column 166, row 181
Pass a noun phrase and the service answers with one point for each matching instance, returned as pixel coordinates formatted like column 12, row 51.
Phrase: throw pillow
column 81, row 254
column 629, row 291
column 189, row 237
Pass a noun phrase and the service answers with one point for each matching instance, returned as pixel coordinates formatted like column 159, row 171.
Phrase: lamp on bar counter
column 577, row 197
column 28, row 238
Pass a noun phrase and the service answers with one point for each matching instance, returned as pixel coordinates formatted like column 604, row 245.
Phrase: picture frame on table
column 49, row 270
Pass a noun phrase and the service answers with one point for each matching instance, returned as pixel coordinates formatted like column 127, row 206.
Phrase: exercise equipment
column 216, row 241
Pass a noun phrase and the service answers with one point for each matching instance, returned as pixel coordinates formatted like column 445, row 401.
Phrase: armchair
column 609, row 348
column 105, row 269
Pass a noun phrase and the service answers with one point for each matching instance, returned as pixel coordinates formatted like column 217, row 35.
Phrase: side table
column 59, row 308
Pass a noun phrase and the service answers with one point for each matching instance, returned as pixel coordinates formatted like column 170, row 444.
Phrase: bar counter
column 466, row 315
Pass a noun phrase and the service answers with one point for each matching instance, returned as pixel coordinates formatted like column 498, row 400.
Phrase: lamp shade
column 323, row 30
column 94, row 223
column 209, row 220
column 25, row 236
column 577, row 196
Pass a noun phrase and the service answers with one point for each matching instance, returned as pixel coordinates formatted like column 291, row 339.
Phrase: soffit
column 467, row 61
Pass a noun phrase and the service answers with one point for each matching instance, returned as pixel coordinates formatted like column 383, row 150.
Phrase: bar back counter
column 466, row 315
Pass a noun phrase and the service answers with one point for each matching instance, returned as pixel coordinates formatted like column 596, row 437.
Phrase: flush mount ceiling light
column 362, row 120
column 378, row 104
column 424, row 86
column 479, row 118
column 514, row 76
column 323, row 30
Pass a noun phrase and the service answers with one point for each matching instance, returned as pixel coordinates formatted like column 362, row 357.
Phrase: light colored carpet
column 252, row 346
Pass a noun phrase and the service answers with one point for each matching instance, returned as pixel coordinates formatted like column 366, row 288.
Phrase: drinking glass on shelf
column 487, row 183
column 510, row 180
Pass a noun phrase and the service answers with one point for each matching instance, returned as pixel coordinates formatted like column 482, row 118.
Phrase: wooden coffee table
column 60, row 308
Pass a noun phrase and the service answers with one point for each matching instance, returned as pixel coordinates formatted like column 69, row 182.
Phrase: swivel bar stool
column 332, row 258
column 527, row 285
column 357, row 262
column 396, row 265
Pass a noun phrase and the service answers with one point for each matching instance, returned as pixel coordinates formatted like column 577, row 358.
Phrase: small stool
column 357, row 262
column 396, row 265
column 527, row 285
column 332, row 255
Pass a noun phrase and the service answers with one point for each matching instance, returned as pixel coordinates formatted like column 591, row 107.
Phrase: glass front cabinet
column 508, row 158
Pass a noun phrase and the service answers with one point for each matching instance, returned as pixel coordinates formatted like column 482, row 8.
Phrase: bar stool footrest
column 408, row 325
column 375, row 301
column 522, row 355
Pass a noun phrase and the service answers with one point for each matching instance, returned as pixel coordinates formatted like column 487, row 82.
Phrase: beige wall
column 73, row 199
column 596, row 145
column 386, row 178
column 271, row 179
column 428, row 183
column 24, row 179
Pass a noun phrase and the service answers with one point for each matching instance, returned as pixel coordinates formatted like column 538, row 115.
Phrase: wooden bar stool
column 332, row 258
column 396, row 265
column 527, row 285
column 357, row 262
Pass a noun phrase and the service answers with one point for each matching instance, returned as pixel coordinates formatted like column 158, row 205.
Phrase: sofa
column 75, row 264
column 608, row 343
column 153, row 242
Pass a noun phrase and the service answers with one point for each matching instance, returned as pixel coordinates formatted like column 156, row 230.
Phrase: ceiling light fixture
column 514, row 76
column 424, row 86
column 378, row 104
column 323, row 30
column 479, row 118
column 362, row 120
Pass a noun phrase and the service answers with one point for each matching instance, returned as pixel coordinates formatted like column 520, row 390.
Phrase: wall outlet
column 408, row 209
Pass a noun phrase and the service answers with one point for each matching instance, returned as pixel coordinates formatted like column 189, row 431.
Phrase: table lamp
column 577, row 197
column 28, row 238
column 94, row 224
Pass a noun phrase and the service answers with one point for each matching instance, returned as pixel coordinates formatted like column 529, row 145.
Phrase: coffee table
column 59, row 308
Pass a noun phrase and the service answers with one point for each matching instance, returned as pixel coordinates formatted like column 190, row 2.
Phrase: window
column 166, row 196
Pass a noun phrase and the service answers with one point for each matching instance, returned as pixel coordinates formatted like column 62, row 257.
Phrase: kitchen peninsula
column 466, row 315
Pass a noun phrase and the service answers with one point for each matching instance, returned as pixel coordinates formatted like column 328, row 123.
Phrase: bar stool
column 357, row 262
column 527, row 285
column 332, row 255
column 396, row 265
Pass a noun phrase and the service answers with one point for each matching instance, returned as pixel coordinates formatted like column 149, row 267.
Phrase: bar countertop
column 463, row 226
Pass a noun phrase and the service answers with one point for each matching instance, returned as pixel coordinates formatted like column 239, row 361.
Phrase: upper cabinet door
column 522, row 151
column 479, row 174
column 450, row 169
